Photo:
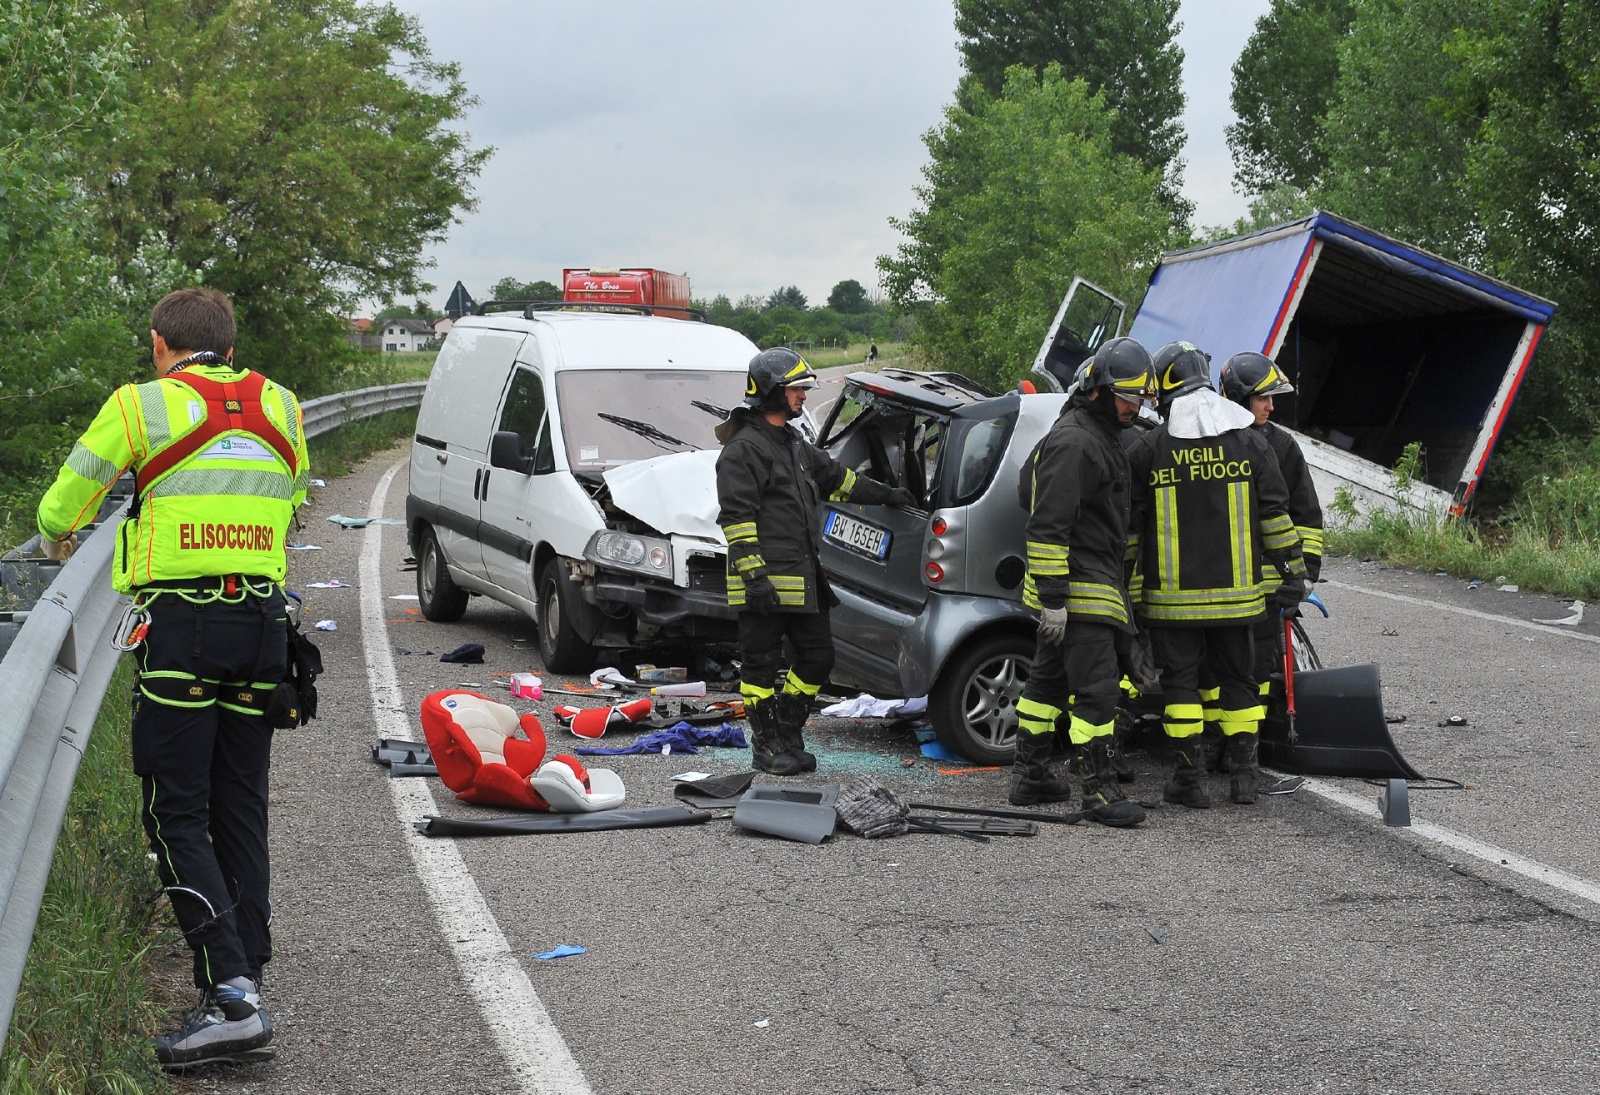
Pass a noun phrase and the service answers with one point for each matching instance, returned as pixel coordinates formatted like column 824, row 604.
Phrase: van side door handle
column 486, row 473
column 477, row 483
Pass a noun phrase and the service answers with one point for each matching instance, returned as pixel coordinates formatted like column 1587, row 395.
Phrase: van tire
column 441, row 600
column 562, row 649
column 974, row 704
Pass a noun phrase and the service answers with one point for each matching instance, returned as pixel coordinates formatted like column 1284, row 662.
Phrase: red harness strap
column 230, row 405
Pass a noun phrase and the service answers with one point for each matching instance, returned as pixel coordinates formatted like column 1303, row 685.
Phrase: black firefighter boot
column 1242, row 762
column 1103, row 800
column 793, row 708
column 1187, row 787
column 1119, row 748
column 1031, row 779
column 767, row 747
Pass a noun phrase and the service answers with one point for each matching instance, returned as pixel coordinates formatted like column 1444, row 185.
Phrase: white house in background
column 401, row 335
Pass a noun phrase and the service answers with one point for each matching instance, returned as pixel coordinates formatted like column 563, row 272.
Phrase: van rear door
column 450, row 453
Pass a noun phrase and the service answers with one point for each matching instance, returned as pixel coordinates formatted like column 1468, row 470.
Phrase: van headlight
column 625, row 551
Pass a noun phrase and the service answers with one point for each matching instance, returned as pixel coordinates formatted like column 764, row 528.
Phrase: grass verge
column 82, row 1015
column 1519, row 554
column 334, row 454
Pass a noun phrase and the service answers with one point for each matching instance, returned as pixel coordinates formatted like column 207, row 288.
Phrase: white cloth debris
column 867, row 706
column 1571, row 621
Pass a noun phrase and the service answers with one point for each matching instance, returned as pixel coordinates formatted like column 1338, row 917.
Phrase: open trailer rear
column 1386, row 345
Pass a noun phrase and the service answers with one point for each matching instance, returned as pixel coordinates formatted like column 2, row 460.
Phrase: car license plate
column 857, row 535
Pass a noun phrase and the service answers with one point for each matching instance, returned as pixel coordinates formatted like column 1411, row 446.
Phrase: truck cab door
column 1088, row 318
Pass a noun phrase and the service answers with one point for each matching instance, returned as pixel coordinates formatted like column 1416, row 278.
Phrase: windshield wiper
column 643, row 429
column 709, row 408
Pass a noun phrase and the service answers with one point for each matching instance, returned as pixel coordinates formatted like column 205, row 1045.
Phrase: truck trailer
column 1385, row 343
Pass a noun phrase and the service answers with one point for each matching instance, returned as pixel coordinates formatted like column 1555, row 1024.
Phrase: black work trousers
column 1228, row 651
column 204, row 769
column 1084, row 666
column 761, row 647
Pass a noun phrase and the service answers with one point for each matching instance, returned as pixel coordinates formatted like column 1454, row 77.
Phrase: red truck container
column 652, row 288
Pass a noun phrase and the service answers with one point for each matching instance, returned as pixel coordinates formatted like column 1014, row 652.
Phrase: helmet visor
column 1274, row 383
column 1139, row 388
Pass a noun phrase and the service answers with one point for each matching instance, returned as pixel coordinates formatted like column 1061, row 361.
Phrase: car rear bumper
column 890, row 653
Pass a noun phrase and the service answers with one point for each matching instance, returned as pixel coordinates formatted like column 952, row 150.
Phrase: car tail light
column 935, row 572
column 939, row 526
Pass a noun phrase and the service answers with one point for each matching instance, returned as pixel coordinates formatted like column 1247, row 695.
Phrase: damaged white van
column 532, row 480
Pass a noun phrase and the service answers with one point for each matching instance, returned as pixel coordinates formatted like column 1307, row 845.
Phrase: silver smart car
column 931, row 601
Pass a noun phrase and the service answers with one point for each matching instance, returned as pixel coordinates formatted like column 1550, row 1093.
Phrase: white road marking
column 533, row 1047
column 1542, row 629
column 1491, row 854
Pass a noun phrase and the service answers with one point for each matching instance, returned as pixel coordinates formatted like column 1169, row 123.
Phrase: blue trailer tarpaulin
column 1223, row 302
column 1387, row 345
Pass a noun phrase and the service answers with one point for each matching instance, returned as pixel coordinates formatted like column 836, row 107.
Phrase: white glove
column 58, row 551
column 1053, row 625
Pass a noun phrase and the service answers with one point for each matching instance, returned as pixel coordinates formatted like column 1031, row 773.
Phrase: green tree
column 70, row 320
column 516, row 289
column 417, row 309
column 789, row 295
column 1472, row 127
column 1403, row 122
column 1126, row 48
column 302, row 155
column 849, row 297
column 1022, row 192
column 1283, row 82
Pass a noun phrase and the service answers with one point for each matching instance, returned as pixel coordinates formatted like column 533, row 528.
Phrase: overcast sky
column 751, row 145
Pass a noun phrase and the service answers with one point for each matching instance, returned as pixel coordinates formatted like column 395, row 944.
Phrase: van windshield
column 616, row 416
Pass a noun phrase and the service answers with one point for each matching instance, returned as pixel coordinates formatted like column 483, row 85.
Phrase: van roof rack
column 529, row 307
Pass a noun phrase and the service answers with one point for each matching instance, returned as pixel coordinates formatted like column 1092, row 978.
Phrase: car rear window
column 616, row 416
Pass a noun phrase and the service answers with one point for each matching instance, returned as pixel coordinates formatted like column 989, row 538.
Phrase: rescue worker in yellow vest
column 1076, row 488
column 1208, row 505
column 770, row 484
column 219, row 461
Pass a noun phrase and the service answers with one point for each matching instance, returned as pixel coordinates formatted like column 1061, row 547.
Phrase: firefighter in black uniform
column 770, row 483
column 1209, row 504
column 1251, row 380
column 1076, row 488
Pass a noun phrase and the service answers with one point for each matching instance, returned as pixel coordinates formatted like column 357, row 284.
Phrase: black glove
column 1290, row 593
column 901, row 497
column 759, row 595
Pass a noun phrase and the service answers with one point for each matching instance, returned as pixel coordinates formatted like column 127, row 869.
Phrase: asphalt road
column 1295, row 945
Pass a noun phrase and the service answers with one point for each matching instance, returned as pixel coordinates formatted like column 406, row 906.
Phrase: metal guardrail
column 56, row 662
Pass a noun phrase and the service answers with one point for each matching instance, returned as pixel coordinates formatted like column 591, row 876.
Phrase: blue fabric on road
column 681, row 738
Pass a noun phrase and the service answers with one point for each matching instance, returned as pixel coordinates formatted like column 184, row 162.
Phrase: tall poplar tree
column 1126, row 49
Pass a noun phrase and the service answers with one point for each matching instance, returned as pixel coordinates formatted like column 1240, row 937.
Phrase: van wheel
column 442, row 601
column 974, row 704
column 562, row 649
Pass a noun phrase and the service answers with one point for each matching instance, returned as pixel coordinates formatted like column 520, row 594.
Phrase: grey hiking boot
column 227, row 1024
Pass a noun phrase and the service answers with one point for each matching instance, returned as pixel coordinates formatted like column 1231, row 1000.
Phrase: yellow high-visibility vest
column 222, row 509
